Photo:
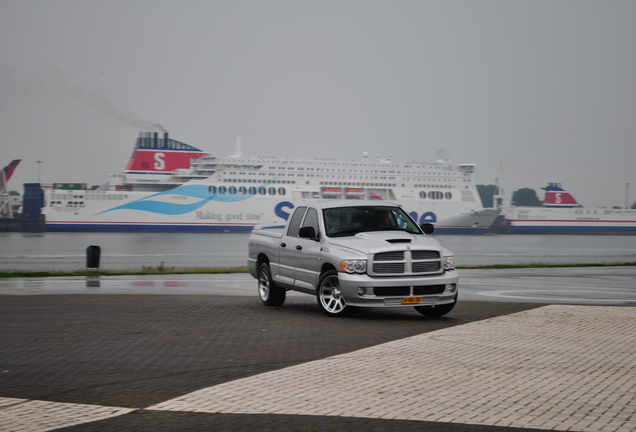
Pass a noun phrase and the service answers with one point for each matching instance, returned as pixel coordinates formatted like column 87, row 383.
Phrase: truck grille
column 406, row 263
column 424, row 255
column 426, row 267
column 428, row 289
column 389, row 256
column 404, row 291
column 397, row 267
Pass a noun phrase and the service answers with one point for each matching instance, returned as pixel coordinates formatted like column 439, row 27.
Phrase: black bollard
column 92, row 257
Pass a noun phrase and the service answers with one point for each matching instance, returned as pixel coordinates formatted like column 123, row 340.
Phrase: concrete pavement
column 141, row 362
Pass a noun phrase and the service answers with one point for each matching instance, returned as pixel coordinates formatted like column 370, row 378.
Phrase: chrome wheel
column 264, row 283
column 268, row 291
column 330, row 298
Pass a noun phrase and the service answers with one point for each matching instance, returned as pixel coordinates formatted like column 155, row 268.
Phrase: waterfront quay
column 96, row 362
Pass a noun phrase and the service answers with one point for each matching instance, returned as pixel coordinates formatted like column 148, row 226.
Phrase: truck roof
column 334, row 203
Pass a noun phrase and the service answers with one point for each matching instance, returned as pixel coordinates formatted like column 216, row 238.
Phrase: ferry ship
column 170, row 186
column 561, row 214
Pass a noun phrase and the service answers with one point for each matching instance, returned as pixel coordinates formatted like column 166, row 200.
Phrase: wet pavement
column 214, row 358
column 613, row 286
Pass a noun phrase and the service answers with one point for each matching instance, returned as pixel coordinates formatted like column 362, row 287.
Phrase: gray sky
column 547, row 87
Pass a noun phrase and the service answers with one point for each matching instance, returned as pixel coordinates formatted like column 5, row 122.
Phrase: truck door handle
column 283, row 245
column 299, row 247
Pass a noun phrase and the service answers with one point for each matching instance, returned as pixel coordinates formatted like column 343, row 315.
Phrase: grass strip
column 164, row 270
column 544, row 265
column 159, row 270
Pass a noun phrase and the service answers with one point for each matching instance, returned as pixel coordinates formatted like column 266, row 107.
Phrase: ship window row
column 354, row 174
column 258, row 181
column 364, row 171
column 99, row 196
column 242, row 190
column 432, row 186
column 69, row 203
column 356, row 184
column 435, row 195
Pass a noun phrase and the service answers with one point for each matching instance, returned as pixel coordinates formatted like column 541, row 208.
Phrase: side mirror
column 428, row 228
column 307, row 232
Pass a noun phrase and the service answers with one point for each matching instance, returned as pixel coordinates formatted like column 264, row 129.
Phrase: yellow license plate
column 411, row 300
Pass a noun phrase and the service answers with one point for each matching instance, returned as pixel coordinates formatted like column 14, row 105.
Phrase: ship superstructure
column 174, row 187
column 561, row 214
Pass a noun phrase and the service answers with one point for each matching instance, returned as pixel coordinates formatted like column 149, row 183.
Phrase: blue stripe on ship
column 573, row 230
column 460, row 230
column 186, row 228
column 149, row 228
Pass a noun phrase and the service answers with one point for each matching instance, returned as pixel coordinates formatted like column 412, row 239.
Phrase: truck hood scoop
column 399, row 240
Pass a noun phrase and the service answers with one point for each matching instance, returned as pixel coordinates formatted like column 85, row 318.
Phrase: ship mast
column 499, row 197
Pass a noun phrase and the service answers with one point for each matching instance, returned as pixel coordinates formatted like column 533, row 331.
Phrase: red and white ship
column 561, row 214
column 170, row 186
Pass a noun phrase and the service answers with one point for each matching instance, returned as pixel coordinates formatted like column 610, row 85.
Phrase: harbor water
column 120, row 251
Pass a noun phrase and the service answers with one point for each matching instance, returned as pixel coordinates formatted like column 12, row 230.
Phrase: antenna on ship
column 238, row 149
column 499, row 196
column 442, row 157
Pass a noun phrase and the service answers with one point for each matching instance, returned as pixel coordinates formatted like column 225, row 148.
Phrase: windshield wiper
column 344, row 233
column 395, row 229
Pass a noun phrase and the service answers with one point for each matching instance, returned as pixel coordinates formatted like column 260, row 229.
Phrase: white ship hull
column 160, row 192
column 538, row 220
column 561, row 214
column 179, row 211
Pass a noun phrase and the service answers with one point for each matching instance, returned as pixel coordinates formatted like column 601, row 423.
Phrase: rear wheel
column 436, row 311
column 330, row 298
column 268, row 291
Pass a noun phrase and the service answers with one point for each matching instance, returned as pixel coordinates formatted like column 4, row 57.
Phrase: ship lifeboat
column 331, row 192
column 355, row 191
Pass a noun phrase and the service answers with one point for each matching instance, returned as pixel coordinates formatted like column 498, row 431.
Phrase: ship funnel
column 556, row 196
column 165, row 140
column 238, row 149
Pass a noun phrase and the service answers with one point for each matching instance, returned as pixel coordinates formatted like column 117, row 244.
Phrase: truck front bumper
column 365, row 291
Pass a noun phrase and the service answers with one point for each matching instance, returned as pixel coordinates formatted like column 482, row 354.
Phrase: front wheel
column 270, row 293
column 330, row 298
column 436, row 311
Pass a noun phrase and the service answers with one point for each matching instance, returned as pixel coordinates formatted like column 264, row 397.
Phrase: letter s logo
column 558, row 198
column 160, row 164
column 279, row 209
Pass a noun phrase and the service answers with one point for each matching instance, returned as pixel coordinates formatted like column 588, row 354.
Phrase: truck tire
column 330, row 298
column 270, row 293
column 436, row 311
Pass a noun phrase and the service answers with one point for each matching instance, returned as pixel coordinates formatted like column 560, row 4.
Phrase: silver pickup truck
column 350, row 255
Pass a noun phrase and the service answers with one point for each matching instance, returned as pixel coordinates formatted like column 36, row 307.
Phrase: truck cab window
column 294, row 224
column 311, row 219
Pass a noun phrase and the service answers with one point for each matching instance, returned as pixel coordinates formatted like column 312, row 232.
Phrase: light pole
column 39, row 162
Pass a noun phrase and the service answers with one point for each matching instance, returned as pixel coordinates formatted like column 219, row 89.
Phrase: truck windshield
column 345, row 221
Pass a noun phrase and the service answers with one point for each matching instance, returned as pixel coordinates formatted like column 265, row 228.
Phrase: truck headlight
column 353, row 266
column 449, row 262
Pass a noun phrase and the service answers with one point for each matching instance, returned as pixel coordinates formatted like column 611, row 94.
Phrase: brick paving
column 556, row 368
column 32, row 415
column 70, row 359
